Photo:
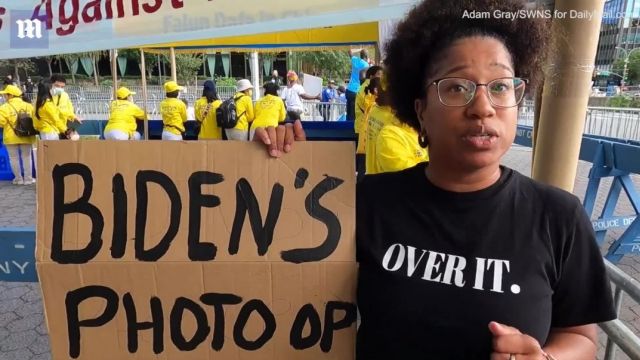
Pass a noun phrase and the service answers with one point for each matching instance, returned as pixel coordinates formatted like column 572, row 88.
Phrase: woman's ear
column 420, row 106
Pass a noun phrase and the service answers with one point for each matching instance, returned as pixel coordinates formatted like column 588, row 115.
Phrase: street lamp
column 627, row 54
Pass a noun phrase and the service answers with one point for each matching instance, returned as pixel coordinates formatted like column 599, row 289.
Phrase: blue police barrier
column 17, row 255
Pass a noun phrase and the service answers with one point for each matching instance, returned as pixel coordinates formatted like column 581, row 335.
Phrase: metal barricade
column 619, row 335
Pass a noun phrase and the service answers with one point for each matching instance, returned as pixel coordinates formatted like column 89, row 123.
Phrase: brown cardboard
column 284, row 287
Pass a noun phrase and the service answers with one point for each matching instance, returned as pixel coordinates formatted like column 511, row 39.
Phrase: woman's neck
column 457, row 180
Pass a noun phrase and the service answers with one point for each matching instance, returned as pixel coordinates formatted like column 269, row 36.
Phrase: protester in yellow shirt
column 397, row 148
column 381, row 115
column 48, row 120
column 270, row 109
column 205, row 109
column 122, row 119
column 62, row 100
column 373, row 72
column 173, row 111
column 244, row 111
column 18, row 147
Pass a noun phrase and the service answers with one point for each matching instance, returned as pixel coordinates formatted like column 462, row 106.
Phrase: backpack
column 24, row 124
column 226, row 115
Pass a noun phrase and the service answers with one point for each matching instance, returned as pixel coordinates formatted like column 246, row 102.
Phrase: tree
column 14, row 66
column 72, row 60
column 633, row 67
column 328, row 64
column 150, row 60
column 187, row 66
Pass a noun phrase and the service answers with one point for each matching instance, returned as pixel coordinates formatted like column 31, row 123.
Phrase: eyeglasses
column 503, row 92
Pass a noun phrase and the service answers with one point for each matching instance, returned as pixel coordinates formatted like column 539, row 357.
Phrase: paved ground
column 23, row 334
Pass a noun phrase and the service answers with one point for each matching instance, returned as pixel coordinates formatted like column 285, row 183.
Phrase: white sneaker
column 18, row 181
column 29, row 181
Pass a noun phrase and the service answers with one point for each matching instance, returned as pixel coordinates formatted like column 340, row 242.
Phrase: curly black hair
column 433, row 25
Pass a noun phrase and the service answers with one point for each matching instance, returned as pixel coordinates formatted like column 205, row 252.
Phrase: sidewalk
column 23, row 333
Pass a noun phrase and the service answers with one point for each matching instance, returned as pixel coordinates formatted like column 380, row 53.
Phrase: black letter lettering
column 142, row 193
column 202, row 328
column 81, row 206
column 306, row 313
column 133, row 326
column 200, row 251
column 319, row 212
column 330, row 324
column 72, row 302
column 217, row 301
column 301, row 178
column 246, row 202
column 241, row 322
column 119, row 237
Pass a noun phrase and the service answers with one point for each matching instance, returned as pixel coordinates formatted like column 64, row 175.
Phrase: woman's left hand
column 509, row 341
column 281, row 138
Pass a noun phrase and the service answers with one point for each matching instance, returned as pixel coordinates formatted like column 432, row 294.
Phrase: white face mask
column 55, row 91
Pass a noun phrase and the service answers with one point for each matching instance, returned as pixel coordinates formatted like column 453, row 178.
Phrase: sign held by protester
column 197, row 250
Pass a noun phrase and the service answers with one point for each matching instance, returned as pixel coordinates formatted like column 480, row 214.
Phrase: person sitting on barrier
column 469, row 259
column 62, row 99
column 173, row 111
column 269, row 109
column 244, row 111
column 122, row 118
column 18, row 147
column 205, row 111
column 48, row 120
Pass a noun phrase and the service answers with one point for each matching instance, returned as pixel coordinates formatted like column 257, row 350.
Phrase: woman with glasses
column 460, row 257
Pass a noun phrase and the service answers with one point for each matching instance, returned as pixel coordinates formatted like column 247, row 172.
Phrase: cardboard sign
column 197, row 250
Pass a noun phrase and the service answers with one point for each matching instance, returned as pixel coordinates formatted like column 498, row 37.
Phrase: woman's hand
column 509, row 341
column 281, row 138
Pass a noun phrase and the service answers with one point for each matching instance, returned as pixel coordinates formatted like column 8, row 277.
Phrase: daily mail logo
column 28, row 32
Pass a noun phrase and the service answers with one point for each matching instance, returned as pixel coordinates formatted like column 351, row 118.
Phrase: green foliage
column 225, row 81
column 623, row 101
column 187, row 66
column 332, row 64
column 150, row 60
column 633, row 67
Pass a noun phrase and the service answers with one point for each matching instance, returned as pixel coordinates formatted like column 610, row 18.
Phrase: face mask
column 56, row 91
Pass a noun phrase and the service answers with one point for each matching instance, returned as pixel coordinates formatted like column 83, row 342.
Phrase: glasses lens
column 506, row 92
column 456, row 92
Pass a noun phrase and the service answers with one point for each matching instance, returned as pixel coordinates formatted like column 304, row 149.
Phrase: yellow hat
column 124, row 93
column 12, row 90
column 171, row 86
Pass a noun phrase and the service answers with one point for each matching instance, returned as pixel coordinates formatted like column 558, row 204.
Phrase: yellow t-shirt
column 360, row 107
column 369, row 102
column 378, row 118
column 123, row 116
column 244, row 111
column 63, row 102
column 9, row 116
column 174, row 114
column 269, row 112
column 397, row 149
column 49, row 119
column 209, row 129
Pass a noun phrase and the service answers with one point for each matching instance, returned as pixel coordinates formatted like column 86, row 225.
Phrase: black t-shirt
column 437, row 266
